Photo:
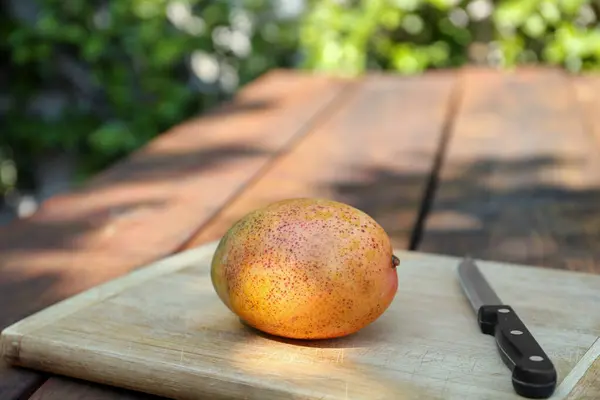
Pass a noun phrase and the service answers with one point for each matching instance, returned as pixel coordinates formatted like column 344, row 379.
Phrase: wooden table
column 504, row 166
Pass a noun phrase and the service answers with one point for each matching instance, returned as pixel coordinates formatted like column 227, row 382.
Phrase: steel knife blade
column 533, row 374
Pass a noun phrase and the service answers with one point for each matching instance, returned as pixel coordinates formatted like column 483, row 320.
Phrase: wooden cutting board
column 162, row 330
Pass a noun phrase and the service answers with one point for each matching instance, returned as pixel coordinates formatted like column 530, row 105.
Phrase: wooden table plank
column 149, row 205
column 408, row 147
column 588, row 387
column 387, row 178
column 18, row 383
column 520, row 181
column 587, row 88
column 64, row 388
column 376, row 154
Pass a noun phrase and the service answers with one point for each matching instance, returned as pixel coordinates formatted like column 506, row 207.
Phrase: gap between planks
column 453, row 109
column 520, row 175
column 311, row 126
column 310, row 129
column 361, row 156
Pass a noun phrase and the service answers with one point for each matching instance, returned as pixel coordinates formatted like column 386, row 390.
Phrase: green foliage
column 410, row 36
column 101, row 78
column 8, row 172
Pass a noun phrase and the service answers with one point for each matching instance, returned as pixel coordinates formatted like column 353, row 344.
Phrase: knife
column 533, row 374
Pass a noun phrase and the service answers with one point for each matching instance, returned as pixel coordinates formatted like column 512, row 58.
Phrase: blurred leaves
column 411, row 36
column 101, row 78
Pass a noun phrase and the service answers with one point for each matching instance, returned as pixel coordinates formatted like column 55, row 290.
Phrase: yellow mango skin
column 305, row 269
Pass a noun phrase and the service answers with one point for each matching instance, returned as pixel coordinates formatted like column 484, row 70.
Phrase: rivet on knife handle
column 533, row 374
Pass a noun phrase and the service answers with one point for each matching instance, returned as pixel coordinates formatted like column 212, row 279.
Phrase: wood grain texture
column 520, row 181
column 376, row 153
column 588, row 388
column 149, row 205
column 163, row 330
column 587, row 88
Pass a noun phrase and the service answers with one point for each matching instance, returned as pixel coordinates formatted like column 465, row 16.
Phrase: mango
column 306, row 268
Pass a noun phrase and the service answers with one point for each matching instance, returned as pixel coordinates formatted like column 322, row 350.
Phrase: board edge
column 215, row 386
column 11, row 336
column 482, row 262
column 569, row 383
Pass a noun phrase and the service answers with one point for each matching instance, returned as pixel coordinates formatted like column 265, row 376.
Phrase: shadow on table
column 85, row 225
column 504, row 210
column 494, row 209
column 175, row 167
column 62, row 388
column 194, row 153
column 94, row 220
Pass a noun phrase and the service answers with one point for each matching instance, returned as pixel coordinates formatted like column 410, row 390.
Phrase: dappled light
column 166, row 319
column 134, row 134
column 545, row 224
column 331, row 369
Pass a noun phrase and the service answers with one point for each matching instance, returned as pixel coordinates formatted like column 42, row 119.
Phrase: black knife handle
column 533, row 374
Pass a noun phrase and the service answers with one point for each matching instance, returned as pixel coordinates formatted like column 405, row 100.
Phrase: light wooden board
column 149, row 205
column 162, row 330
column 385, row 175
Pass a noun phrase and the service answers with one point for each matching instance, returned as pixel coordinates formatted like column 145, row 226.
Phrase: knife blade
column 533, row 374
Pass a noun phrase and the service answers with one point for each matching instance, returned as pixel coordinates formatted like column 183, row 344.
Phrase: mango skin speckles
column 305, row 269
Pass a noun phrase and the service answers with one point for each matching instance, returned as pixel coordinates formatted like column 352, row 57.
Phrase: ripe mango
column 306, row 269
